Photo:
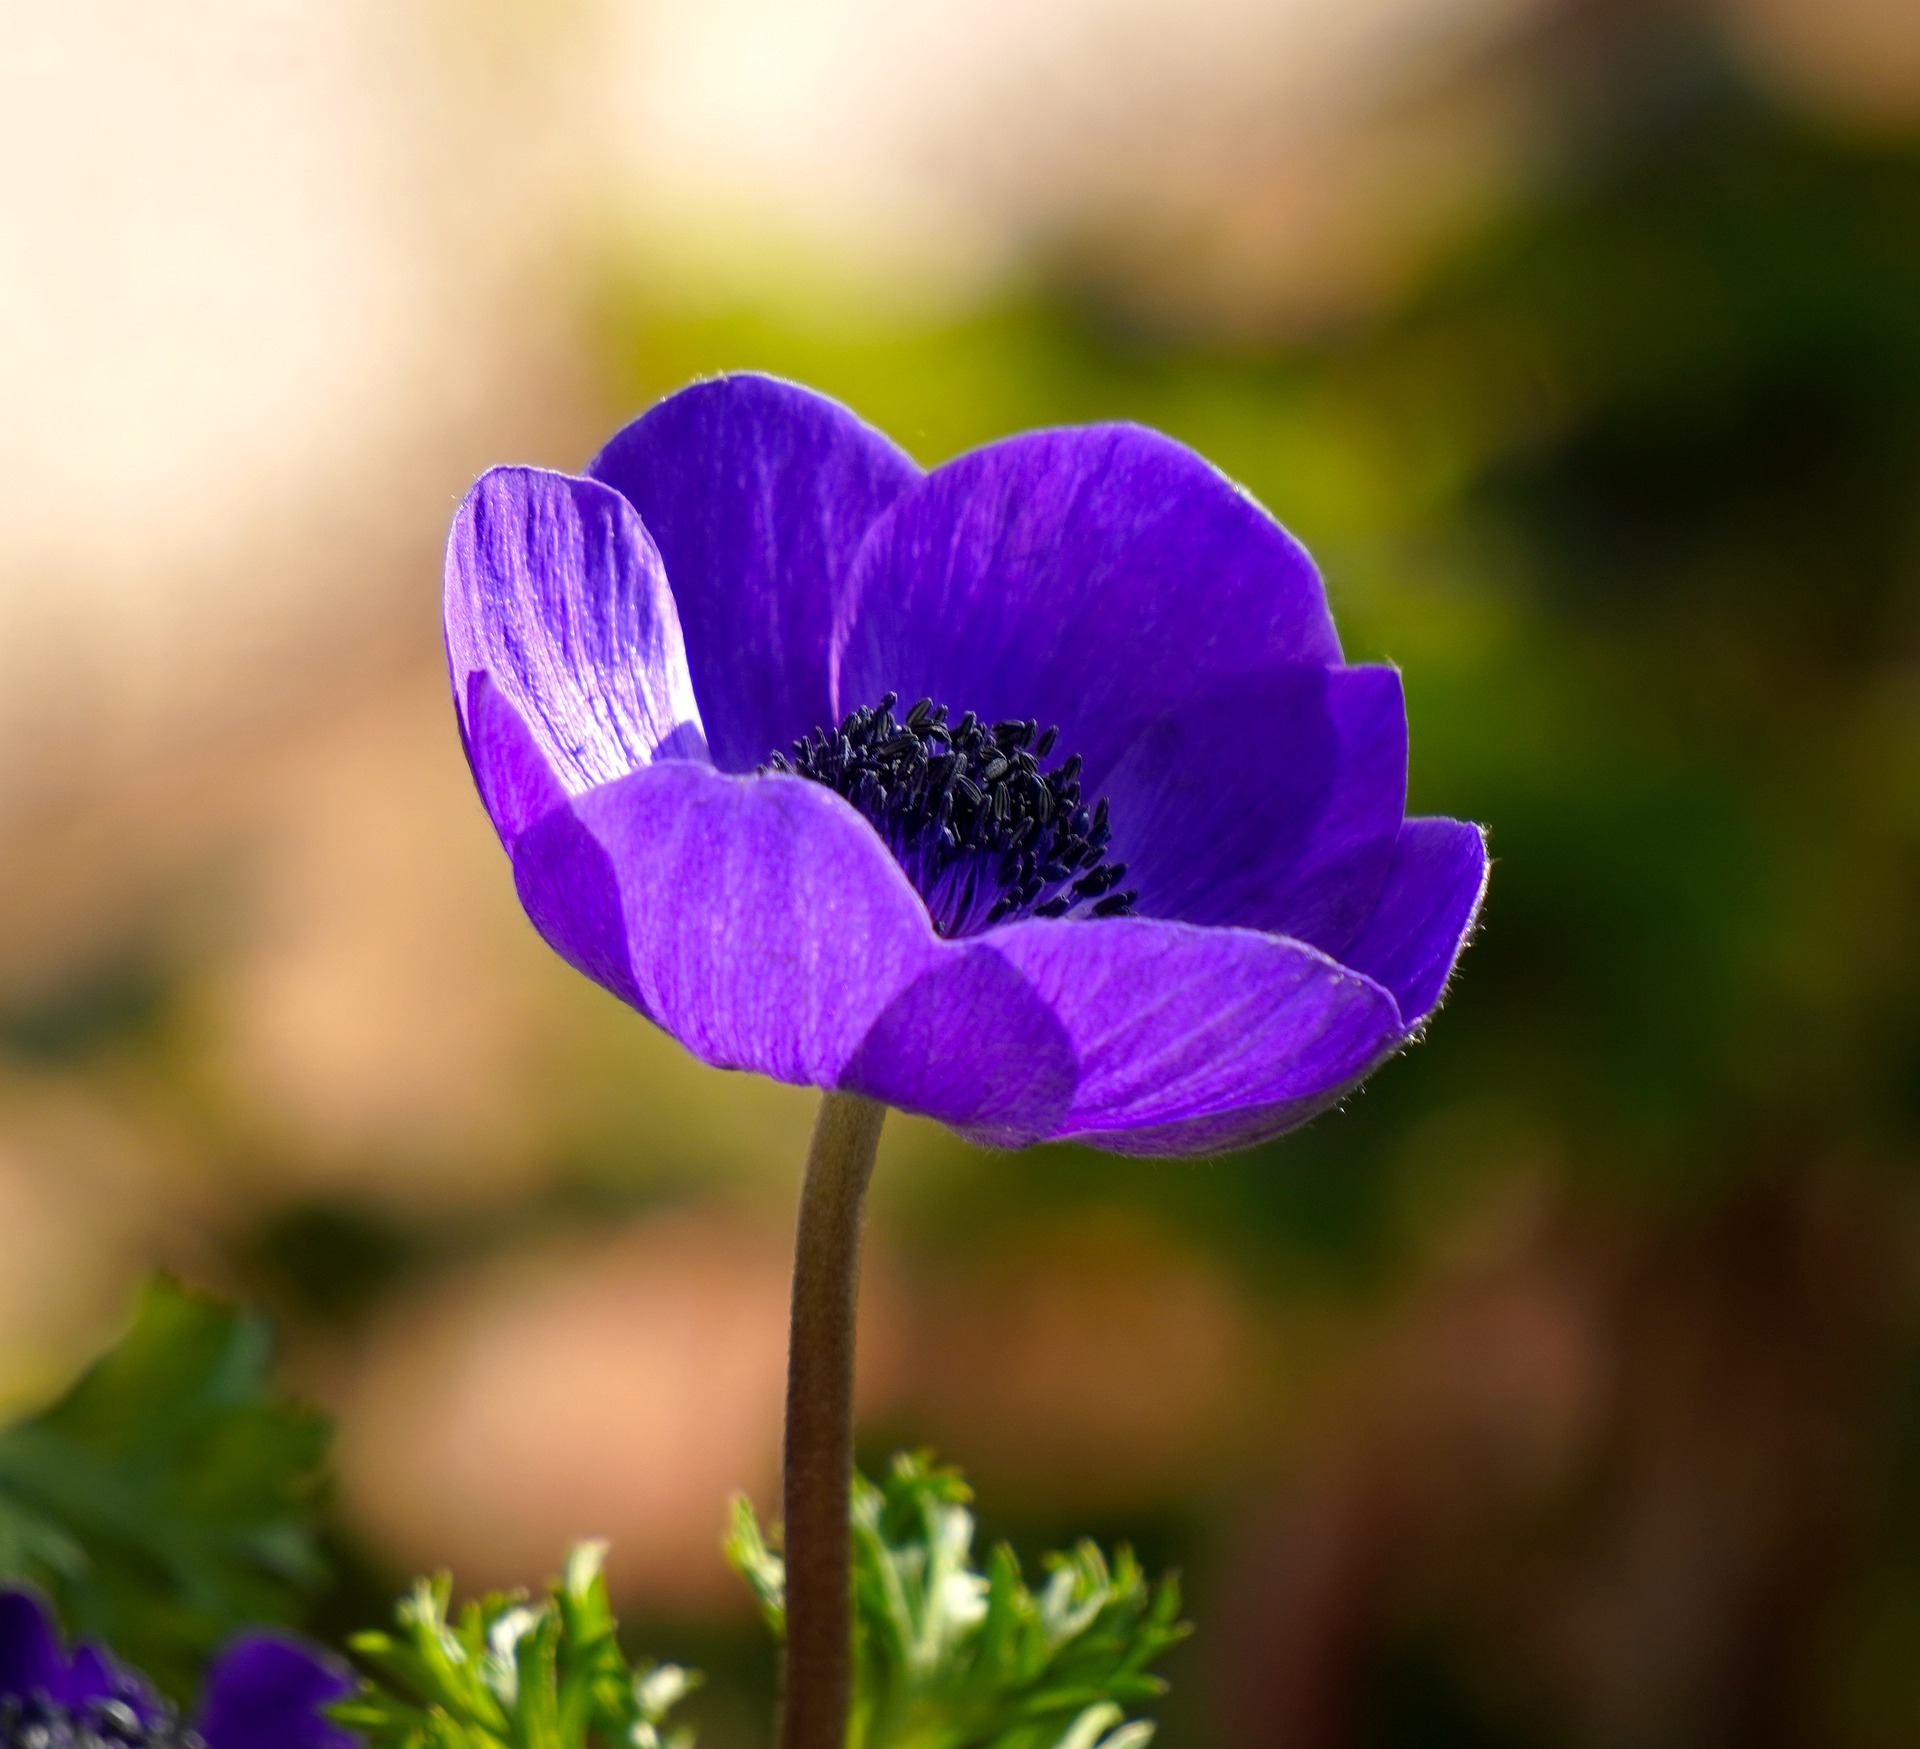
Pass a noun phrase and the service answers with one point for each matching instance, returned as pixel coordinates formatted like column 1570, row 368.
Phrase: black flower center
column 37, row 1722
column 985, row 835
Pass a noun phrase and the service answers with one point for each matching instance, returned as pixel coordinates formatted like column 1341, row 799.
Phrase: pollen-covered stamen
column 984, row 834
column 37, row 1721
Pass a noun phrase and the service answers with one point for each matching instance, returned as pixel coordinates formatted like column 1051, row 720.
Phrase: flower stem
column 817, row 1692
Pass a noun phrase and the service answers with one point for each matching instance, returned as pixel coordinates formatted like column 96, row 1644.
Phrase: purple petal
column 517, row 785
column 1175, row 1024
column 1426, row 911
column 971, row 1043
column 1092, row 577
column 570, row 891
column 266, row 1692
column 30, row 1654
column 765, row 925
column 757, row 493
column 31, row 1657
column 93, row 1672
column 555, row 593
column 762, row 922
column 1240, row 1126
column 1270, row 801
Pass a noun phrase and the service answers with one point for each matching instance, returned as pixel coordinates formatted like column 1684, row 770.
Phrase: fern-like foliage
column 510, row 1672
column 949, row 1657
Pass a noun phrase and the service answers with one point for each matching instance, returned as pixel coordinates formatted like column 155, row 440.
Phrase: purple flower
column 1031, row 793
column 266, row 1691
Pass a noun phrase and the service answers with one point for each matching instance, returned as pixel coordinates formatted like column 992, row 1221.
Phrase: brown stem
column 817, row 1691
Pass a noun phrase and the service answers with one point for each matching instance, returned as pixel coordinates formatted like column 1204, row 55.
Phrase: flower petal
column 570, row 890
column 757, row 493
column 517, row 786
column 1426, row 911
column 766, row 926
column 1089, row 577
column 94, row 1673
column 1173, row 1023
column 1271, row 800
column 971, row 1043
column 30, row 1654
column 31, row 1657
column 266, row 1692
column 763, row 923
column 554, row 591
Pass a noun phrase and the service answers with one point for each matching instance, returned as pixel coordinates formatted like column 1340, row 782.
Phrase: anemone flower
column 1031, row 793
column 266, row 1691
column 1129, row 864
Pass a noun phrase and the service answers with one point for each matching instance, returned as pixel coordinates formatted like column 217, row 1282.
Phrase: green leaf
column 950, row 1657
column 513, row 1673
column 167, row 1499
column 763, row 1570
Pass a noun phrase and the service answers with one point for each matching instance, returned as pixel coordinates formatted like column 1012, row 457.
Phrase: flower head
column 265, row 1692
column 1031, row 793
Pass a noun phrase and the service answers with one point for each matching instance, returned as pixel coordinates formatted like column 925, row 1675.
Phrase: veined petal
column 1090, row 577
column 972, row 1043
column 556, row 594
column 763, row 923
column 1425, row 914
column 571, row 892
column 1173, row 1023
column 266, row 1692
column 756, row 492
column 517, row 785
column 1232, row 1127
column 766, row 925
column 1270, row 800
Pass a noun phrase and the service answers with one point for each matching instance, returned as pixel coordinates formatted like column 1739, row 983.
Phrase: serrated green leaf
column 513, row 1672
column 949, row 1657
column 764, row 1571
column 167, row 1499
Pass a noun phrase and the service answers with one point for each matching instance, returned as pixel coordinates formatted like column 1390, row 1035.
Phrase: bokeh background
column 1562, row 1390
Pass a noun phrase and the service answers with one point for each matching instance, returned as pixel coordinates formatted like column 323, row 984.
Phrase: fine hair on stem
column 817, row 1684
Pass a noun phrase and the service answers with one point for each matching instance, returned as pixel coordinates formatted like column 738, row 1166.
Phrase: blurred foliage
column 168, row 1498
column 508, row 1673
column 948, row 1657
column 121, row 999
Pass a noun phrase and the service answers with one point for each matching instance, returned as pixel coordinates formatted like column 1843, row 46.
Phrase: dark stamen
column 985, row 835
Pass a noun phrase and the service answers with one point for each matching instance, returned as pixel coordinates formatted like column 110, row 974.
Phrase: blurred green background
column 1564, row 1389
